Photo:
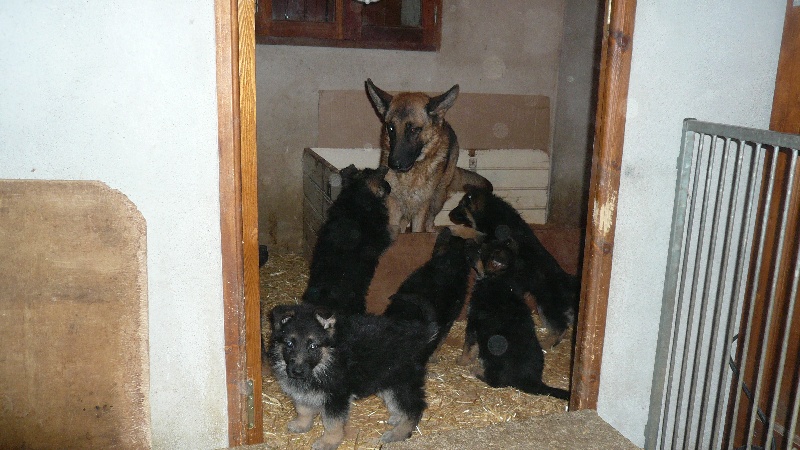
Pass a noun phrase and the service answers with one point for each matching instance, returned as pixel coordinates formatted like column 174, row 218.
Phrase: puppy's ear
column 325, row 317
column 442, row 239
column 281, row 315
column 380, row 100
column 348, row 174
column 439, row 105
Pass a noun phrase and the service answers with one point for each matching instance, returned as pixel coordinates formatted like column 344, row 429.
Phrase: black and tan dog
column 537, row 271
column 322, row 361
column 500, row 330
column 350, row 242
column 421, row 150
column 435, row 293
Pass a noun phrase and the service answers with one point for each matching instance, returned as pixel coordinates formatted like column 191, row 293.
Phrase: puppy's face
column 301, row 341
column 372, row 179
column 410, row 121
column 470, row 207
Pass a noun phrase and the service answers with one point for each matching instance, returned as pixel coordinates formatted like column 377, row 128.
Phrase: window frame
column 348, row 31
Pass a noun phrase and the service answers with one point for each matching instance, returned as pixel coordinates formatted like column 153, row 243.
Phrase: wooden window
column 386, row 24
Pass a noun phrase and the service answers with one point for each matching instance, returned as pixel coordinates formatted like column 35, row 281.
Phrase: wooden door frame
column 236, row 105
column 612, row 99
column 236, row 93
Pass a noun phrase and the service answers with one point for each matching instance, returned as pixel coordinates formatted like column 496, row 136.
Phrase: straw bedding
column 456, row 399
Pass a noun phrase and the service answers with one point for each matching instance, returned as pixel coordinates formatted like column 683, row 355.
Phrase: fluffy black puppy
column 537, row 271
column 323, row 361
column 352, row 239
column 436, row 292
column 500, row 329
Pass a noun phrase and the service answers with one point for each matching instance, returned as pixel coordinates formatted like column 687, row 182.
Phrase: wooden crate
column 520, row 176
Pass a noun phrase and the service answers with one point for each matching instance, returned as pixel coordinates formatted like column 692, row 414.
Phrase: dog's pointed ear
column 438, row 105
column 325, row 317
column 380, row 100
column 442, row 240
column 347, row 174
column 281, row 314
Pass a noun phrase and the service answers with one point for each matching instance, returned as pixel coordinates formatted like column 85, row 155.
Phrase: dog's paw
column 395, row 435
column 323, row 444
column 299, row 426
column 465, row 359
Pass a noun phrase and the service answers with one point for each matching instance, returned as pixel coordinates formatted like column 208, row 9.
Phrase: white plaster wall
column 125, row 92
column 712, row 60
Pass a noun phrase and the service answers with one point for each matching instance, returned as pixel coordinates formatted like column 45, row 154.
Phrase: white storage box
column 520, row 176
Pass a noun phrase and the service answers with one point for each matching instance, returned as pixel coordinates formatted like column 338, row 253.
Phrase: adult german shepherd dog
column 323, row 360
column 421, row 150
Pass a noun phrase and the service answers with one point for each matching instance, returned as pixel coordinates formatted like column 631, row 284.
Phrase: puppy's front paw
column 465, row 359
column 395, row 435
column 323, row 444
column 299, row 425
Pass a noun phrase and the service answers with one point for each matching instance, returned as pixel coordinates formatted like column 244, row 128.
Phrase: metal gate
column 726, row 372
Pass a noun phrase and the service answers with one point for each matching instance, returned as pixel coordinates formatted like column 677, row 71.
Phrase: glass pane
column 393, row 13
column 410, row 13
column 304, row 10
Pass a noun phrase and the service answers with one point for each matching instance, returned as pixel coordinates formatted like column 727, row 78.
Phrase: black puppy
column 323, row 361
column 436, row 292
column 352, row 239
column 537, row 271
column 500, row 330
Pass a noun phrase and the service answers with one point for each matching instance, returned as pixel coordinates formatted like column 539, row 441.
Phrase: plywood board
column 481, row 121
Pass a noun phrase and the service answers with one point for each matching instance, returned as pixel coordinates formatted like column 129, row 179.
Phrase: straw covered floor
column 456, row 399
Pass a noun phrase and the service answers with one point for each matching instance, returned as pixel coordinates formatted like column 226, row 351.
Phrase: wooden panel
column 481, row 121
column 785, row 118
column 786, row 101
column 226, row 16
column 615, row 65
column 238, row 214
column 249, row 206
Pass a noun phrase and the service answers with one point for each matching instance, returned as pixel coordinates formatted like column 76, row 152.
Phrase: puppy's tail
column 539, row 388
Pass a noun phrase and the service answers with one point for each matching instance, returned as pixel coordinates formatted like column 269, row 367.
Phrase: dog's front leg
column 397, row 224
column 470, row 350
column 419, row 222
column 334, row 418
column 305, row 418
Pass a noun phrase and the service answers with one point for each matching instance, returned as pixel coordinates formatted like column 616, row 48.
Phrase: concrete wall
column 709, row 60
column 509, row 47
column 573, row 130
column 125, row 93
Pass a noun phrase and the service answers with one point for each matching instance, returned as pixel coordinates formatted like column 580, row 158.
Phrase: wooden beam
column 226, row 21
column 615, row 64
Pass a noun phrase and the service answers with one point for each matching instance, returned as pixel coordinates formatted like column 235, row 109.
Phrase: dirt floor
column 456, row 399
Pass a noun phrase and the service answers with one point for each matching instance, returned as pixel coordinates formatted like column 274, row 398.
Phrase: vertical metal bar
column 770, row 311
column 749, row 326
column 660, row 404
column 755, row 168
column 790, row 313
column 704, row 301
column 693, row 293
column 721, row 283
column 681, row 294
